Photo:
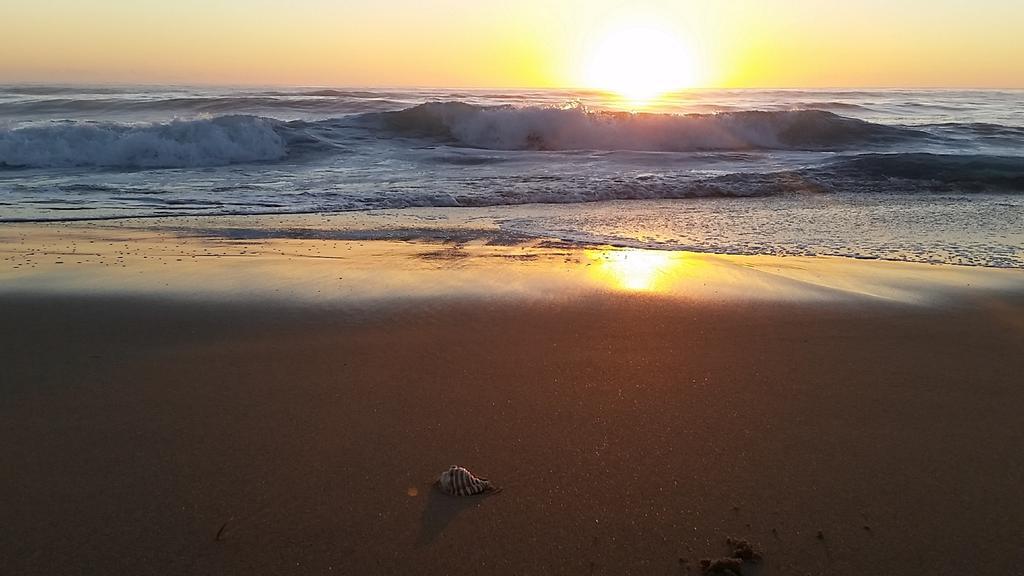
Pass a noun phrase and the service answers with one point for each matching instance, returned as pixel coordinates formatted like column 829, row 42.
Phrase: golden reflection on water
column 639, row 270
column 639, row 104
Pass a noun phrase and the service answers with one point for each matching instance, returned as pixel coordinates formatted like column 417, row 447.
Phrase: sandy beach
column 184, row 404
column 375, row 287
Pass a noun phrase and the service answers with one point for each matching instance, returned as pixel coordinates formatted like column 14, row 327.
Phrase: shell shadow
column 441, row 510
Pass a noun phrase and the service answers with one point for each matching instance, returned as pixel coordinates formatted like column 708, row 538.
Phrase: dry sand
column 633, row 430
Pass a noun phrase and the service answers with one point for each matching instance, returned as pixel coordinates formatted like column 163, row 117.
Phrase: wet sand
column 842, row 427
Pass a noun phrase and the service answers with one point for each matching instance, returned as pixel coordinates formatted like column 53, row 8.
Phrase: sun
column 640, row 63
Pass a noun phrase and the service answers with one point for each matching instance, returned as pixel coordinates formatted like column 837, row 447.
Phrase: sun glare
column 640, row 63
column 633, row 270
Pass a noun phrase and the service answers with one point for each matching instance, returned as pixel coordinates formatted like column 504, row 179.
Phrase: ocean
column 916, row 175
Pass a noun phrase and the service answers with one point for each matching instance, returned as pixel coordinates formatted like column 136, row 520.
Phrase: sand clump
column 743, row 552
column 722, row 566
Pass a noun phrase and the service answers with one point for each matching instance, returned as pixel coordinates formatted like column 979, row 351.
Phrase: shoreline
column 832, row 224
column 310, row 259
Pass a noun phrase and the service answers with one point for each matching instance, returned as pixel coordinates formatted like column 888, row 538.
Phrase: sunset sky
column 459, row 43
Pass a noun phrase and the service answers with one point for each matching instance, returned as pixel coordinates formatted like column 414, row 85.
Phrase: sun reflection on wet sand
column 121, row 259
column 640, row 270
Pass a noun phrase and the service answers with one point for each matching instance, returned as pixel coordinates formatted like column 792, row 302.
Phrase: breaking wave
column 578, row 128
column 214, row 142
column 241, row 139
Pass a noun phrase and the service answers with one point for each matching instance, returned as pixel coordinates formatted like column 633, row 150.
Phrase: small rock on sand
column 743, row 550
column 722, row 566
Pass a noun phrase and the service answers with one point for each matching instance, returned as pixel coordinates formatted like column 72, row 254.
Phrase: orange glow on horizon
column 638, row 49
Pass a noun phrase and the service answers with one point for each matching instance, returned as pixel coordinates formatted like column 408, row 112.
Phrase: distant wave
column 46, row 90
column 328, row 93
column 215, row 142
column 829, row 106
column 980, row 131
column 577, row 128
column 303, row 103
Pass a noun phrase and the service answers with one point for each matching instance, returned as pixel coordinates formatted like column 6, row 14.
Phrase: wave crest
column 178, row 144
column 578, row 128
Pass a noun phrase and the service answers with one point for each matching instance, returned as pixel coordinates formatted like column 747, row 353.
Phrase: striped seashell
column 458, row 481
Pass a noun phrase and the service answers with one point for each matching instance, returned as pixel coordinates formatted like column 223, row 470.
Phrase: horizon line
column 73, row 83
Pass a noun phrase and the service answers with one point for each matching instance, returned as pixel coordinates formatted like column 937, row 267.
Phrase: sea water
column 922, row 175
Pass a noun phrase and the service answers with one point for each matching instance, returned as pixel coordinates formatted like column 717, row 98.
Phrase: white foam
column 177, row 144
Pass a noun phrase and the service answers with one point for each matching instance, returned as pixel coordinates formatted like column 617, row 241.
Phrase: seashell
column 457, row 481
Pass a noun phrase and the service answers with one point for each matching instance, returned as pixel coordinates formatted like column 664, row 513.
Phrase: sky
column 516, row 43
